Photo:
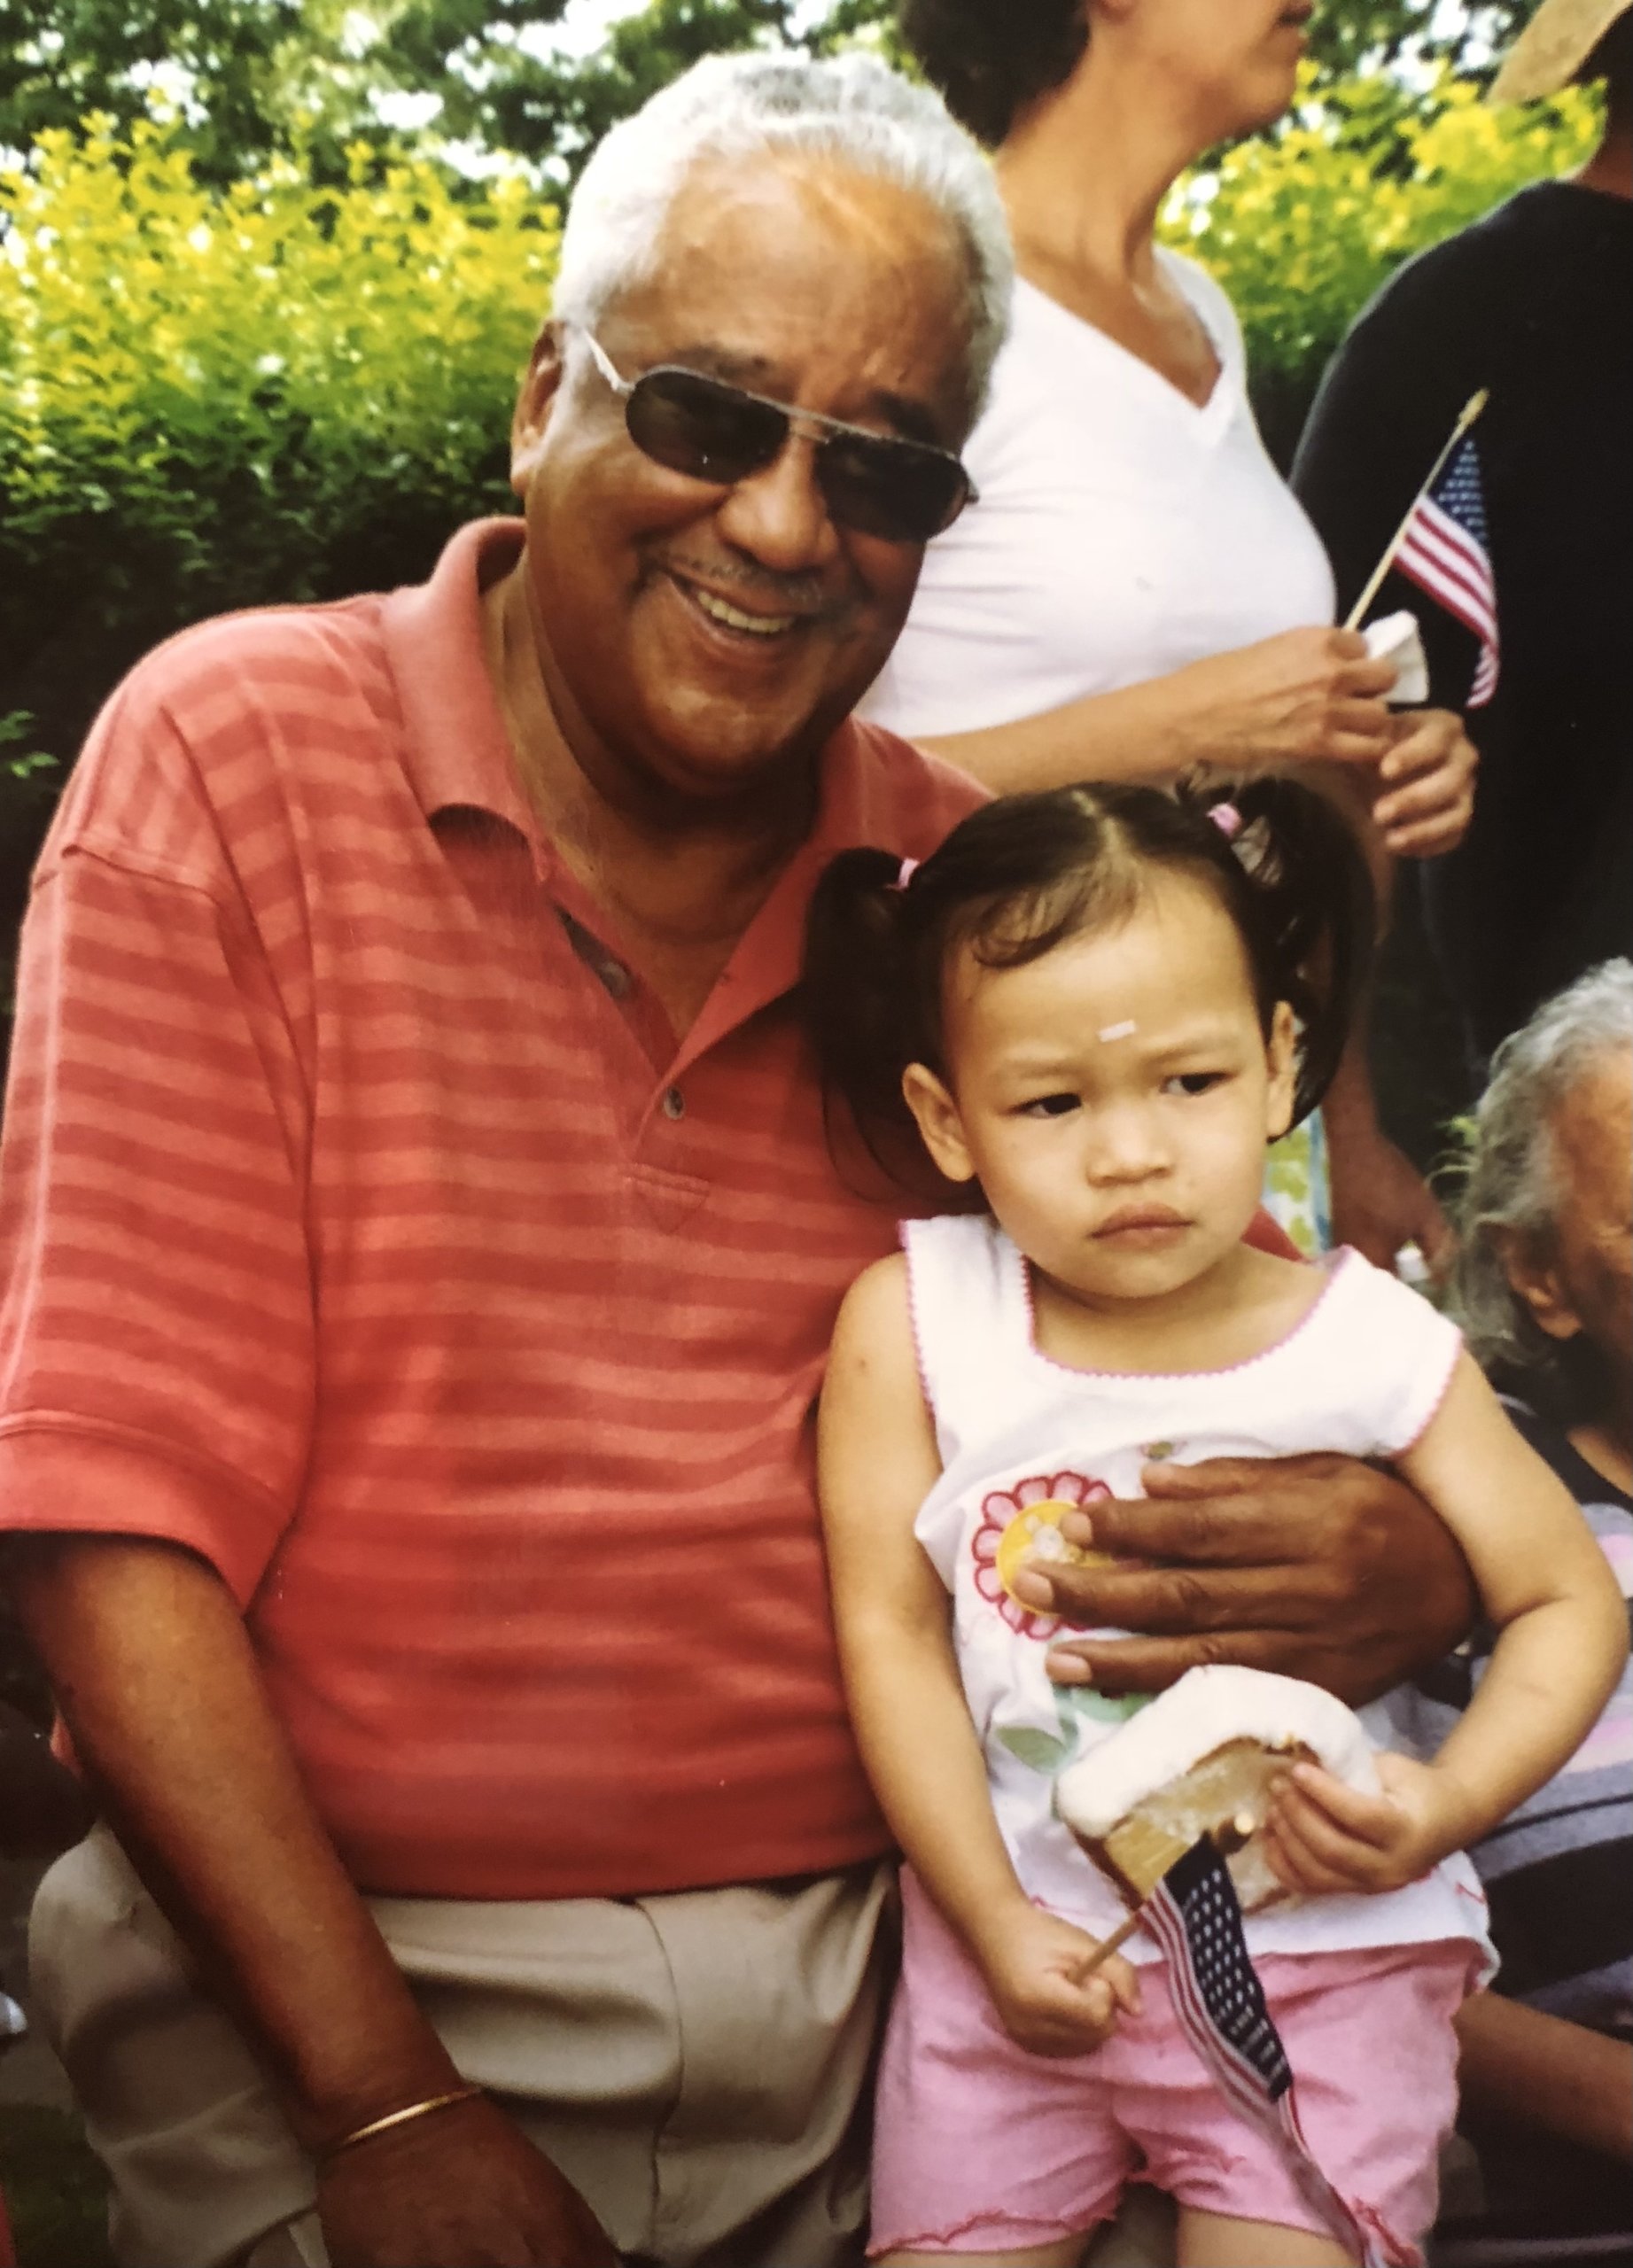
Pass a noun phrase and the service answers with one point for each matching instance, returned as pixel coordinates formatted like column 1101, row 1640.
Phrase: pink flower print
column 1024, row 1522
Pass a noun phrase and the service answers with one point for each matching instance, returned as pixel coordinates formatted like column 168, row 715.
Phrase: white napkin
column 1395, row 639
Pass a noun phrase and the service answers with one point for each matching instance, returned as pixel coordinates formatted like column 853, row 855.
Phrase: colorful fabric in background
column 1298, row 1191
column 1444, row 550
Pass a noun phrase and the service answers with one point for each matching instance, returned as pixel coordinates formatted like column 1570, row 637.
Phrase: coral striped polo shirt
column 366, row 1232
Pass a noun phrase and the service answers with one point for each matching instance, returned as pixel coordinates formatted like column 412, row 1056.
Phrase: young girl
column 1097, row 1006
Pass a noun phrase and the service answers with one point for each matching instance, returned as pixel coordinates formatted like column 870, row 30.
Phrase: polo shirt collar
column 872, row 791
column 456, row 751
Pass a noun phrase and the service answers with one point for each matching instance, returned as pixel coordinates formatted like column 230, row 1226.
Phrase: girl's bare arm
column 876, row 1462
column 1545, row 1582
column 1562, row 1639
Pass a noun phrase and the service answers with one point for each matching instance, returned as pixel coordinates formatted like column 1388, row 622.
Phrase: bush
column 1301, row 227
column 217, row 399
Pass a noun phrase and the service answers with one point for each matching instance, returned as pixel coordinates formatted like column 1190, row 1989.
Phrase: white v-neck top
column 1121, row 532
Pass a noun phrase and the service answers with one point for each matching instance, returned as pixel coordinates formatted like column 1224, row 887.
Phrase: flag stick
column 1229, row 1835
column 1120, row 1936
column 1471, row 408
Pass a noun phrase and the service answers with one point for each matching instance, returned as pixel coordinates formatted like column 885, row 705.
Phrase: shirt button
column 675, row 1103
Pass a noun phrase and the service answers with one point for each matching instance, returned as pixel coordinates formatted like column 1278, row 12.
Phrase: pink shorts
column 982, row 2146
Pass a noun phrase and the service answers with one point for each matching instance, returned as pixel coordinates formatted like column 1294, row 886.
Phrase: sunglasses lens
column 705, row 429
column 710, row 430
column 894, row 489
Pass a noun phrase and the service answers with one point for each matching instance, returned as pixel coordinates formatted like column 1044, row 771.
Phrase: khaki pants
column 699, row 2066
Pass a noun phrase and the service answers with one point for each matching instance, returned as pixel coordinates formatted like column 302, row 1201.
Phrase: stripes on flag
column 1443, row 549
column 1195, row 1917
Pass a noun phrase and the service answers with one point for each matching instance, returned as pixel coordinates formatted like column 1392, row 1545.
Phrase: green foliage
column 256, row 76
column 252, row 74
column 1301, row 228
column 497, row 88
column 216, row 398
column 1345, row 42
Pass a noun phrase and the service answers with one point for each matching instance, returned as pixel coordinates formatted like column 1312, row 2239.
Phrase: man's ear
column 938, row 1122
column 538, row 390
column 1534, row 1279
column 1282, row 1052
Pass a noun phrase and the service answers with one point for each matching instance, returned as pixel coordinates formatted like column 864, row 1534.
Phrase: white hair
column 1513, row 1176
column 849, row 108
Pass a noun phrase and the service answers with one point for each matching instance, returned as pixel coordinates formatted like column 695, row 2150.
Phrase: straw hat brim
column 1552, row 48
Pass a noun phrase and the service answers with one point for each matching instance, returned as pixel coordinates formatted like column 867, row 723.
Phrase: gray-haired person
column 417, row 1444
column 1543, row 1289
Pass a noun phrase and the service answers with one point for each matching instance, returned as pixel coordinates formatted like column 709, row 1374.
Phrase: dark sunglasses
column 905, row 491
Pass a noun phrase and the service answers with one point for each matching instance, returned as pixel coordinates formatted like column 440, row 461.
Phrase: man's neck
column 681, row 881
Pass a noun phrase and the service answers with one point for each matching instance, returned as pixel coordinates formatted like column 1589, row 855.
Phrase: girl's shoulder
column 1398, row 1353
column 879, row 1292
column 1300, row 1309
column 962, row 1263
column 1352, row 1301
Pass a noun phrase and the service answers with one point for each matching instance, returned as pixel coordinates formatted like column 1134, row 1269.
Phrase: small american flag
column 1443, row 550
column 1195, row 1917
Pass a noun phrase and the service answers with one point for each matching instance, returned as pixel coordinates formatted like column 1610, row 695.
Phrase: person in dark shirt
column 1532, row 303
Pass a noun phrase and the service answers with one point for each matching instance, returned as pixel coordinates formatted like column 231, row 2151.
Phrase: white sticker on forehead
column 1124, row 1030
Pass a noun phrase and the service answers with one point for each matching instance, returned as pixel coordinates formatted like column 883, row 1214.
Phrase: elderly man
column 423, row 1244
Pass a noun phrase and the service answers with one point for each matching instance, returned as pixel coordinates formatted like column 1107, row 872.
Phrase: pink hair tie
column 1227, row 818
column 905, row 874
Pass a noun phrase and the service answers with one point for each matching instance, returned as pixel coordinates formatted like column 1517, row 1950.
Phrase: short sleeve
column 156, row 1305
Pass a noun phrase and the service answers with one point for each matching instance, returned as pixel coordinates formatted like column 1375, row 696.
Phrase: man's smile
column 738, row 618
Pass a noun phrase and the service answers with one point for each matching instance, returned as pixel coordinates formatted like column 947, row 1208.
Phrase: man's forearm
column 1538, row 2070
column 157, row 1680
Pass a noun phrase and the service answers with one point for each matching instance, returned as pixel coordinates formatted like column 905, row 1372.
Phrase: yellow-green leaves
column 217, row 398
column 1303, row 227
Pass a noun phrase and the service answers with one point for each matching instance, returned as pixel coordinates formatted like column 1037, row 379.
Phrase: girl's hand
column 1320, row 1834
column 1034, row 1967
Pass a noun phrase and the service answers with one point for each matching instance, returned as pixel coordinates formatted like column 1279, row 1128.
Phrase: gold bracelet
column 398, row 2118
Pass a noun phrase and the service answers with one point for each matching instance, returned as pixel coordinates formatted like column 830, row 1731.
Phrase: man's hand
column 1425, row 785
column 464, row 2188
column 1380, row 1201
column 1318, row 1567
column 164, row 1697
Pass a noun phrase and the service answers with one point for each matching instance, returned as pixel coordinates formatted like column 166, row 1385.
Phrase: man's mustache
column 803, row 593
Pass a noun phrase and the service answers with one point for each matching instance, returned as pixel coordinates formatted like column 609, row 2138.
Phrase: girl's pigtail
column 856, row 990
column 1315, row 912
